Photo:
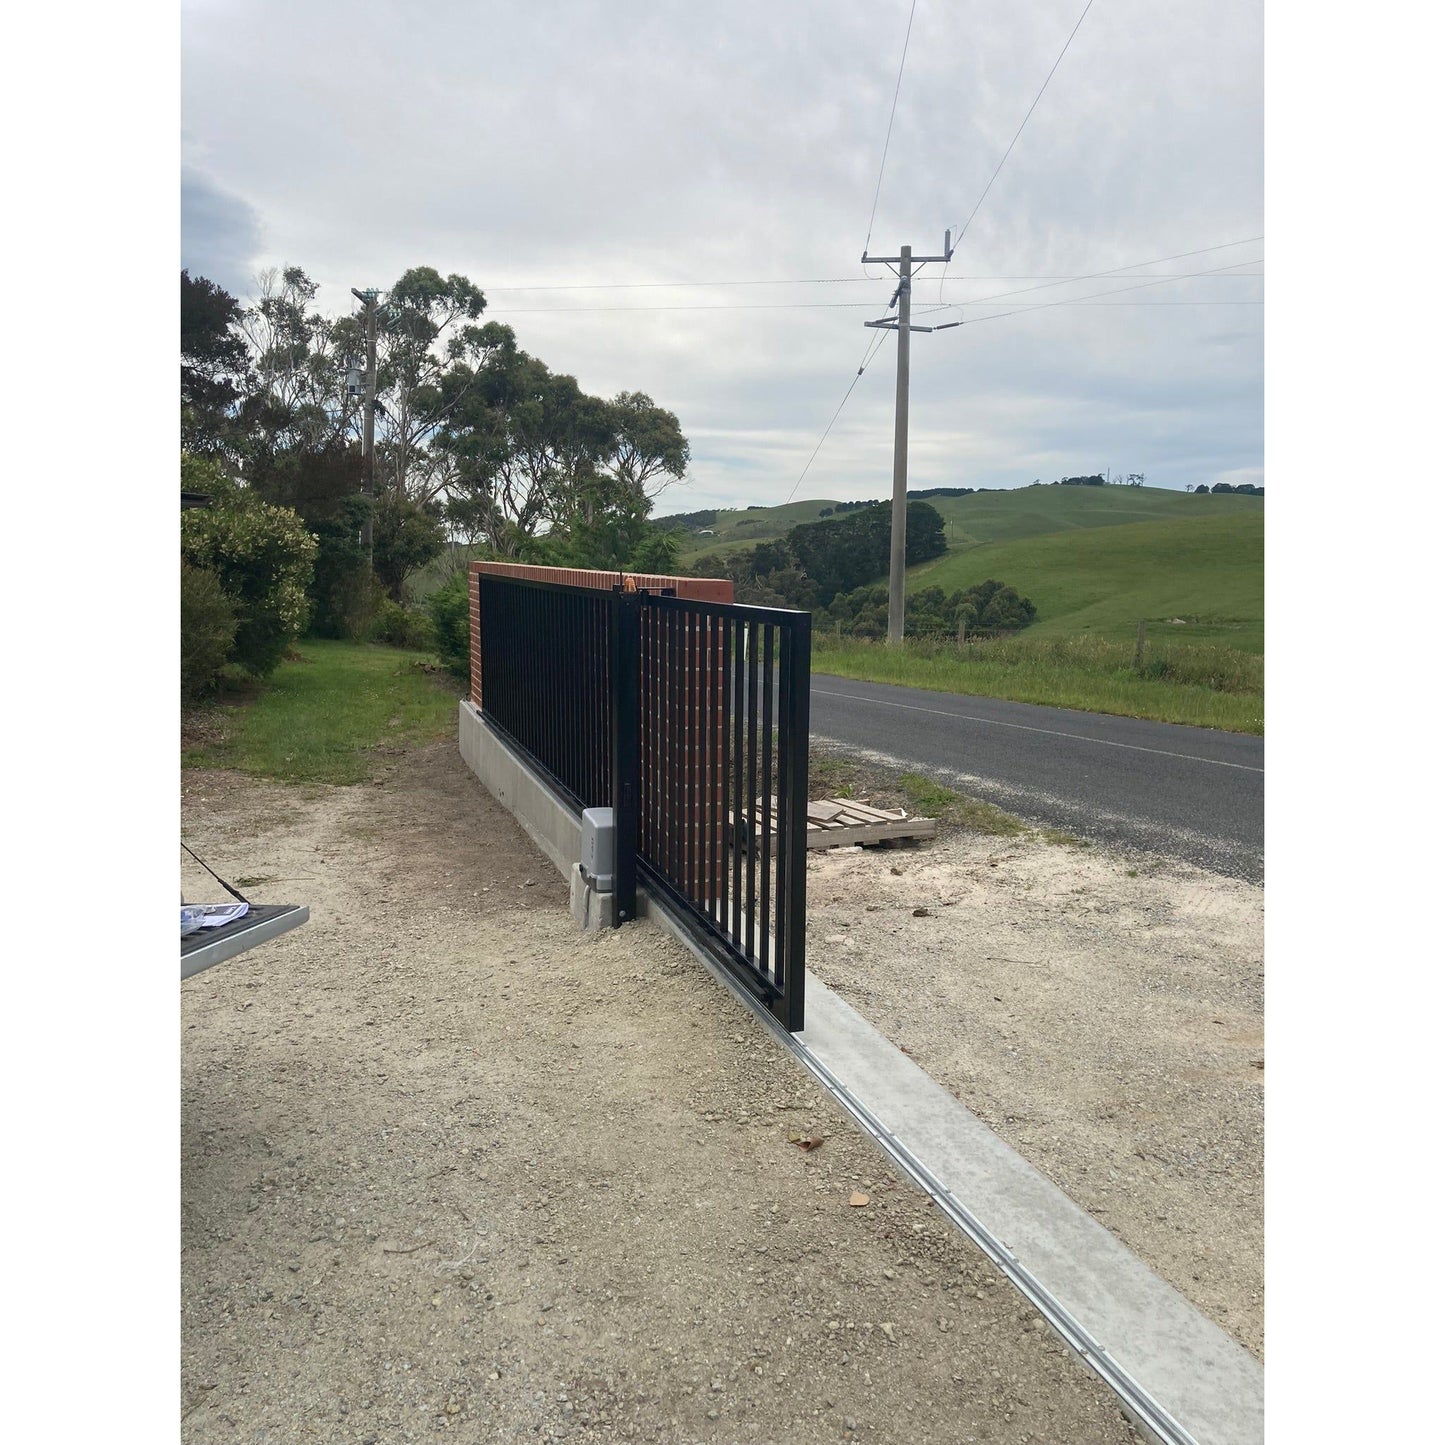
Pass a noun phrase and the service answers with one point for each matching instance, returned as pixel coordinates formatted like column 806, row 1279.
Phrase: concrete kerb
column 1179, row 1377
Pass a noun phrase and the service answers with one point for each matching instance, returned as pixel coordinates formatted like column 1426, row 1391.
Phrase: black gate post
column 623, row 673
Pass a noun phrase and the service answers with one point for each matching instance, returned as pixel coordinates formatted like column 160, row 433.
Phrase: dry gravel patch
column 1102, row 1013
column 451, row 1168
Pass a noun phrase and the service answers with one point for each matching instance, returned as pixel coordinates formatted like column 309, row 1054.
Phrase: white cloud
column 582, row 143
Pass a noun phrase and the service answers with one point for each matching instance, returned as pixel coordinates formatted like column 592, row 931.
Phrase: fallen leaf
column 857, row 1199
column 805, row 1142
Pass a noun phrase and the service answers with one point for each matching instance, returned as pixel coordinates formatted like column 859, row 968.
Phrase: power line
column 1135, row 266
column 1082, row 300
column 869, row 352
column 715, row 306
column 889, row 136
column 1087, row 7
column 847, row 305
column 807, row 280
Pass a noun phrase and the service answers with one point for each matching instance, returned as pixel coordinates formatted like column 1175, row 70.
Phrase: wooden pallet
column 841, row 822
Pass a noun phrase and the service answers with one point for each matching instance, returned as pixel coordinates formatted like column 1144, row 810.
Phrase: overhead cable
column 1082, row 300
column 963, row 230
column 1134, row 266
column 889, row 135
column 804, row 280
column 869, row 352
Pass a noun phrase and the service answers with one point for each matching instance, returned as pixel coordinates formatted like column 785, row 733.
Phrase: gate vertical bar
column 624, row 671
column 765, row 832
column 798, row 650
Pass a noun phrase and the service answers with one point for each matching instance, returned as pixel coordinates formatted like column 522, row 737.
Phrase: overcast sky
column 574, row 143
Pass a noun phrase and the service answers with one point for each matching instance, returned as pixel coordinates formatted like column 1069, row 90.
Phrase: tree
column 472, row 434
column 530, row 453
column 649, row 451
column 342, row 591
column 406, row 535
column 425, row 333
column 213, row 364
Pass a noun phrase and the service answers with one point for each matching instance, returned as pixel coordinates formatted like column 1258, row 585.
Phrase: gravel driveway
column 1102, row 1013
column 450, row 1168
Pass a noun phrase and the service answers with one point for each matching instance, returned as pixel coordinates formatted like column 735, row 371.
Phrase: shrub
column 989, row 605
column 450, row 611
column 344, row 592
column 399, row 626
column 405, row 535
column 261, row 555
column 208, row 627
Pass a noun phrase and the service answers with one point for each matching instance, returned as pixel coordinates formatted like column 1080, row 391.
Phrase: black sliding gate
column 690, row 720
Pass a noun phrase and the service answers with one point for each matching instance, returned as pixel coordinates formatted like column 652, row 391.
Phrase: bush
column 405, row 536
column 450, row 611
column 344, row 592
column 261, row 555
column 399, row 626
column 990, row 606
column 208, row 627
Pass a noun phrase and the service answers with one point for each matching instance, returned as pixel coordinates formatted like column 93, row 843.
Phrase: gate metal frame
column 678, row 710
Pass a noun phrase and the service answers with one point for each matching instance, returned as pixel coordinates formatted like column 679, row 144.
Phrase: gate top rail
column 741, row 611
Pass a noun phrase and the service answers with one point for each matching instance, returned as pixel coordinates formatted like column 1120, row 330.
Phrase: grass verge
column 1198, row 683
column 833, row 776
column 326, row 717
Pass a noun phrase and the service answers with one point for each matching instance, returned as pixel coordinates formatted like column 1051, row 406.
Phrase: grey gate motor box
column 599, row 848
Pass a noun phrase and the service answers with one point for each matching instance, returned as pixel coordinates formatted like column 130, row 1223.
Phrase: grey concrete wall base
column 591, row 909
column 544, row 817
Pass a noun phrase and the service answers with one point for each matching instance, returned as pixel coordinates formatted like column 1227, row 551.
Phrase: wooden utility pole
column 368, row 417
column 905, row 261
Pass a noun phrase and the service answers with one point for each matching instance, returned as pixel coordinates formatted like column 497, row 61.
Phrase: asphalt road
column 1185, row 792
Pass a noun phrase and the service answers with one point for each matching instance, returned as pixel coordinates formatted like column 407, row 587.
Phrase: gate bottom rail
column 723, row 947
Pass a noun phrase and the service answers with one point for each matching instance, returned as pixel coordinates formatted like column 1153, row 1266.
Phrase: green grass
column 323, row 719
column 1103, row 580
column 932, row 800
column 1208, row 686
column 1035, row 511
column 831, row 775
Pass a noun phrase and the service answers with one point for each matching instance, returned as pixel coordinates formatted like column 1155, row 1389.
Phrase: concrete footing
column 591, row 909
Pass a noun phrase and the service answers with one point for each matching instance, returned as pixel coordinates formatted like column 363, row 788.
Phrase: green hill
column 1095, row 560
column 1103, row 580
column 735, row 529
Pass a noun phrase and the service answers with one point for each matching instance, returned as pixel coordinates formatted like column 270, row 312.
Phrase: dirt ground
column 1102, row 1013
column 450, row 1167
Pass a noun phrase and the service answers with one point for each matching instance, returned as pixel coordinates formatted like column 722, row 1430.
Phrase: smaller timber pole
column 368, row 418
